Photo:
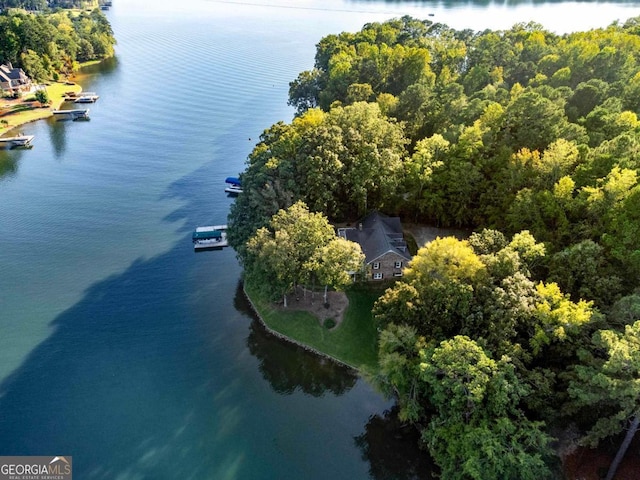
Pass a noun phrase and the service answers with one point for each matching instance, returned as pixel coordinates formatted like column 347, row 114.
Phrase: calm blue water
column 119, row 345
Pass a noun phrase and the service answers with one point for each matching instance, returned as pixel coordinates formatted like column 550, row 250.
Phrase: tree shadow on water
column 392, row 449
column 123, row 383
column 8, row 163
column 288, row 367
column 58, row 135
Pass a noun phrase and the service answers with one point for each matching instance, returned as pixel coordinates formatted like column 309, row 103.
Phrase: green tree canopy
column 529, row 138
column 296, row 246
column 478, row 431
column 50, row 43
column 608, row 384
column 336, row 262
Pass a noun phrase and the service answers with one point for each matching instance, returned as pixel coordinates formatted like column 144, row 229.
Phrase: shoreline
column 304, row 346
column 56, row 96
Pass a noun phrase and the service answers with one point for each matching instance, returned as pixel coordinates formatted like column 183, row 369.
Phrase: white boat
column 76, row 114
column 212, row 236
column 17, row 141
column 234, row 186
column 86, row 98
column 233, row 189
column 71, row 96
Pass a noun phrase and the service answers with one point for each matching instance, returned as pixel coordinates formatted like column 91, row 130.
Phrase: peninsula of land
column 527, row 138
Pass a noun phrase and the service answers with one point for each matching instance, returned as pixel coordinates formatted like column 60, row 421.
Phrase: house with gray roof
column 381, row 240
column 14, row 80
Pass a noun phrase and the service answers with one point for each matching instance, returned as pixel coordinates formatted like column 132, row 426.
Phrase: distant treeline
column 47, row 45
column 530, row 138
column 45, row 4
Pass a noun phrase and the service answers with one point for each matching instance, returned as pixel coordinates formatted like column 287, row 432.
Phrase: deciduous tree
column 479, row 432
column 608, row 384
column 335, row 263
column 281, row 253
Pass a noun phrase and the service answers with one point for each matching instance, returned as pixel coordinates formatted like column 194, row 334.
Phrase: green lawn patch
column 16, row 114
column 354, row 341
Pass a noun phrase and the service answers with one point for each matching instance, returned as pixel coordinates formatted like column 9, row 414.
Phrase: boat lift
column 17, row 141
column 75, row 114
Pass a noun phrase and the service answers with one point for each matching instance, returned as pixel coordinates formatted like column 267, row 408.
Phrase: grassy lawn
column 14, row 113
column 354, row 341
column 21, row 112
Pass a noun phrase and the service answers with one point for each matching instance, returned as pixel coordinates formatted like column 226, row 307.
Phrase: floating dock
column 73, row 96
column 23, row 141
column 75, row 114
column 210, row 237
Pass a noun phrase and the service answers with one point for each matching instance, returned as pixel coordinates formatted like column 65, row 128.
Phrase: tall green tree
column 34, row 64
column 281, row 254
column 269, row 182
column 608, row 384
column 533, row 121
column 623, row 237
column 353, row 161
column 429, row 154
column 583, row 271
column 435, row 295
column 400, row 370
column 335, row 263
column 479, row 432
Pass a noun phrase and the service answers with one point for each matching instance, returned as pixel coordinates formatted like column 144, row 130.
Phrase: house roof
column 377, row 235
column 9, row 73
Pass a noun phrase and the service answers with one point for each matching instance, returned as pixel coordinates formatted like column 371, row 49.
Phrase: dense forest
column 47, row 45
column 528, row 138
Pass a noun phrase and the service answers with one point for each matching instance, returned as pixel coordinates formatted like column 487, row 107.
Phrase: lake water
column 118, row 344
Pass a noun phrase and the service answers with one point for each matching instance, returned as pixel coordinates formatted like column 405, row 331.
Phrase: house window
column 398, row 265
column 377, row 276
column 397, row 274
column 376, row 265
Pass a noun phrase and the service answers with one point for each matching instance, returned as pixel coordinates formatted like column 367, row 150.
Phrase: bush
column 329, row 323
column 42, row 96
